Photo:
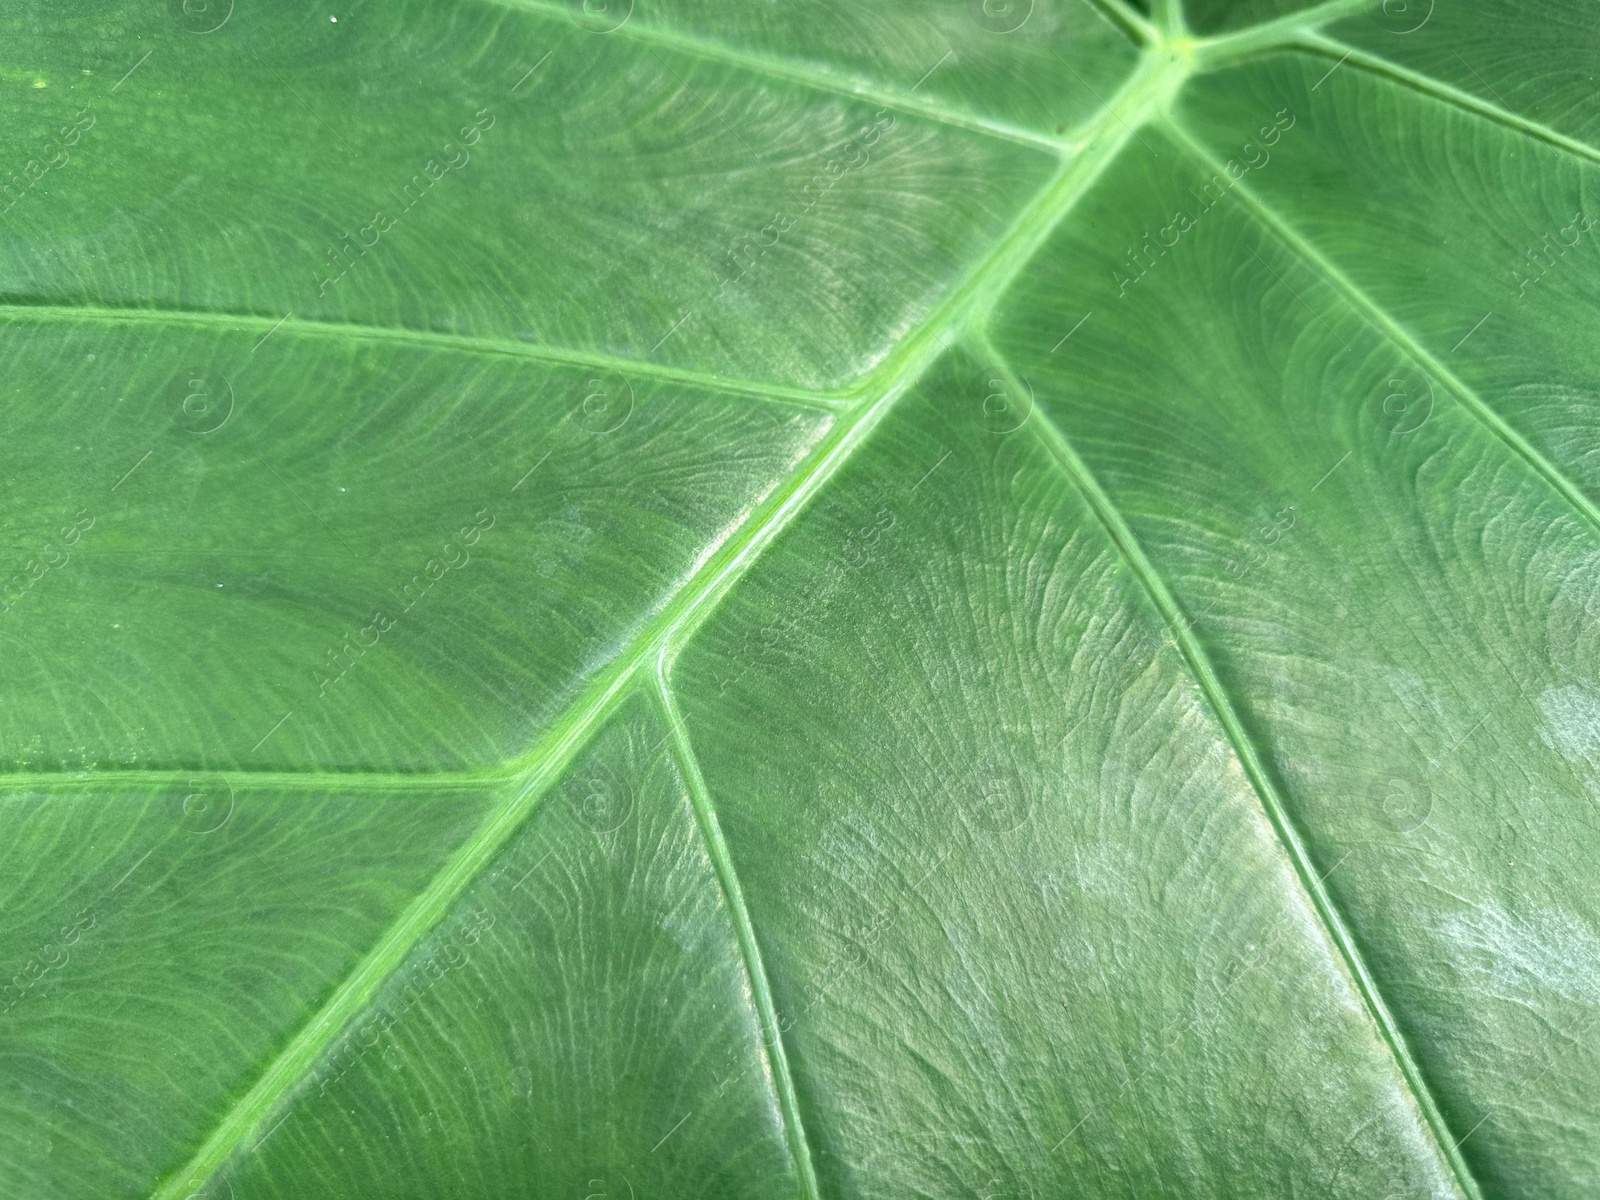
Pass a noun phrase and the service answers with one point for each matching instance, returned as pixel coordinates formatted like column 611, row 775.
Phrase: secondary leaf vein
column 805, row 75
column 1130, row 22
column 749, row 948
column 1199, row 665
column 1396, row 333
column 72, row 314
column 1445, row 93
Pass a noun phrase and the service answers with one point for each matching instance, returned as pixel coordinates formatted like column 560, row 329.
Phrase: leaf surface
column 691, row 599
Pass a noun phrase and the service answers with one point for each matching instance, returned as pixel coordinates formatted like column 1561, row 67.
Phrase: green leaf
column 691, row 599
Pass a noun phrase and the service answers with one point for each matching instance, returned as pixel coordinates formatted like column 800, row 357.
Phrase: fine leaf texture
column 692, row 598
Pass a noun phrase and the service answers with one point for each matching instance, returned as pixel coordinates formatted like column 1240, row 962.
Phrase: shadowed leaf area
column 696, row 599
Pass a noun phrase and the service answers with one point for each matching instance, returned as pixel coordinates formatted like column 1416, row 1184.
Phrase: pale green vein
column 1445, row 93
column 1399, row 335
column 733, row 896
column 1131, row 23
column 1266, row 789
column 1169, row 18
column 1277, row 34
column 817, row 78
column 358, row 989
column 541, row 767
column 1302, row 31
column 317, row 781
column 47, row 312
column 1149, row 88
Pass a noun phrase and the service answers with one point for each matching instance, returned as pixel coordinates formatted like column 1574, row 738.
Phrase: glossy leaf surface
column 691, row 599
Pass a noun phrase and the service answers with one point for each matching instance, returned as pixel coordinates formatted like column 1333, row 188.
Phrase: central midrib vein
column 1146, row 91
column 554, row 752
